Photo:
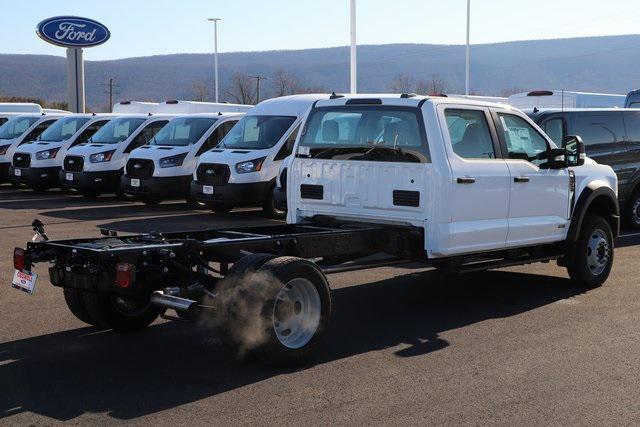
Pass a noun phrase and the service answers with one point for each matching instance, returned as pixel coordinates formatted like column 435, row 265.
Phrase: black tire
column 222, row 208
column 106, row 311
column 151, row 201
column 269, row 207
column 75, row 302
column 255, row 309
column 90, row 194
column 589, row 267
column 632, row 211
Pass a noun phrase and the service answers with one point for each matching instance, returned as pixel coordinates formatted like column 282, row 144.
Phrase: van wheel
column 221, row 208
column 119, row 313
column 75, row 302
column 590, row 259
column 632, row 214
column 281, row 313
column 269, row 207
column 151, row 201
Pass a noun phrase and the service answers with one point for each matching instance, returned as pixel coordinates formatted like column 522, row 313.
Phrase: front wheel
column 632, row 211
column 281, row 309
column 590, row 259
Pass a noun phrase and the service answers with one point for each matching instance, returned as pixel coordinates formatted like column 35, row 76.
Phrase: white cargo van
column 95, row 167
column 242, row 170
column 36, row 163
column 18, row 130
column 565, row 99
column 163, row 168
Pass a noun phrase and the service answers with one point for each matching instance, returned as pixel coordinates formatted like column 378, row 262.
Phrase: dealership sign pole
column 74, row 33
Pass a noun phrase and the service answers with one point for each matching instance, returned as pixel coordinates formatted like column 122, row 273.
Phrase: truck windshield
column 183, row 131
column 257, row 132
column 63, row 129
column 16, row 126
column 117, row 130
column 378, row 133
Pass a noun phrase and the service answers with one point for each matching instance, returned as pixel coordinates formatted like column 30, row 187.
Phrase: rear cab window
column 372, row 133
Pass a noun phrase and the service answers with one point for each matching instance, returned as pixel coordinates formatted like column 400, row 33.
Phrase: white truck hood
column 157, row 152
column 231, row 156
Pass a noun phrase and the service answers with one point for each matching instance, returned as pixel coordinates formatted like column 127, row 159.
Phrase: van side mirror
column 575, row 150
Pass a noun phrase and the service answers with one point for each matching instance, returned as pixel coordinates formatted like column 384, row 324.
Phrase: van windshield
column 117, row 130
column 16, row 126
column 257, row 132
column 339, row 132
column 63, row 129
column 183, row 131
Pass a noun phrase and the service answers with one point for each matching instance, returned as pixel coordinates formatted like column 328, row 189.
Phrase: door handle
column 466, row 180
column 521, row 179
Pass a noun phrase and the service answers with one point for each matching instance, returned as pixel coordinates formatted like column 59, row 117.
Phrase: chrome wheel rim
column 598, row 252
column 296, row 313
column 636, row 211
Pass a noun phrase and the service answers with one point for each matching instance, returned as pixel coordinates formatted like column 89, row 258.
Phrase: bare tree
column 284, row 83
column 402, row 83
column 200, row 92
column 242, row 89
column 437, row 85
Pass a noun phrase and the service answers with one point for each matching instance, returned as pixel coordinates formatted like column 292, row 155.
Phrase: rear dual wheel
column 110, row 312
column 277, row 308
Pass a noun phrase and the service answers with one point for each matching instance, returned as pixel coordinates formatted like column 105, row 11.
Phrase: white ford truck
column 460, row 185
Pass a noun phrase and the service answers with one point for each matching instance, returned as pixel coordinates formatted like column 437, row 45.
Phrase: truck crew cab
column 611, row 137
column 242, row 169
column 457, row 184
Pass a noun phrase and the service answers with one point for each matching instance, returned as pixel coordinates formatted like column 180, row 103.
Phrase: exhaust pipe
column 161, row 299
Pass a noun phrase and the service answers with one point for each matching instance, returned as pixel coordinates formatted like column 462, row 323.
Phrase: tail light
column 19, row 259
column 124, row 274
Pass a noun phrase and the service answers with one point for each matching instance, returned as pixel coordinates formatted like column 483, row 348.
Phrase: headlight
column 4, row 148
column 47, row 154
column 173, row 161
column 101, row 157
column 250, row 166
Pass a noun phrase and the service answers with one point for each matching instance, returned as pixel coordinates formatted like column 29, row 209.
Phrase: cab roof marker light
column 540, row 93
column 335, row 95
column 408, row 95
column 364, row 101
column 125, row 102
column 172, row 101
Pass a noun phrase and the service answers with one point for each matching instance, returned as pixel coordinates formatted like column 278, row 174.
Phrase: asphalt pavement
column 406, row 345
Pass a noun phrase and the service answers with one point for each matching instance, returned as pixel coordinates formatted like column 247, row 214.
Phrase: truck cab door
column 479, row 192
column 539, row 197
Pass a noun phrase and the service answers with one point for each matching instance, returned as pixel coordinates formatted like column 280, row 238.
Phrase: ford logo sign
column 137, row 166
column 72, row 31
column 210, row 172
column 71, row 162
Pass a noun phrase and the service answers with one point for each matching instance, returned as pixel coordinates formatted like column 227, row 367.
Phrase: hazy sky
column 145, row 27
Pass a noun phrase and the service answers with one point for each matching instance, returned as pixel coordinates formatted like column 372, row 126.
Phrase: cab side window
column 89, row 131
column 599, row 129
column 554, row 128
column 523, row 140
column 287, row 147
column 35, row 133
column 469, row 134
column 145, row 135
column 632, row 123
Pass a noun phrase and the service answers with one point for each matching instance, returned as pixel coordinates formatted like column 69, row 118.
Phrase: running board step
column 488, row 265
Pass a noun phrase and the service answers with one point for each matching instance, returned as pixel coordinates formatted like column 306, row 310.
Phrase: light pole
column 215, row 54
column 354, row 79
column 468, row 51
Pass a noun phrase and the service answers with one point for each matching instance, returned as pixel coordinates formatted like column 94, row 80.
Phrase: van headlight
column 173, row 161
column 47, row 154
column 250, row 166
column 105, row 156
